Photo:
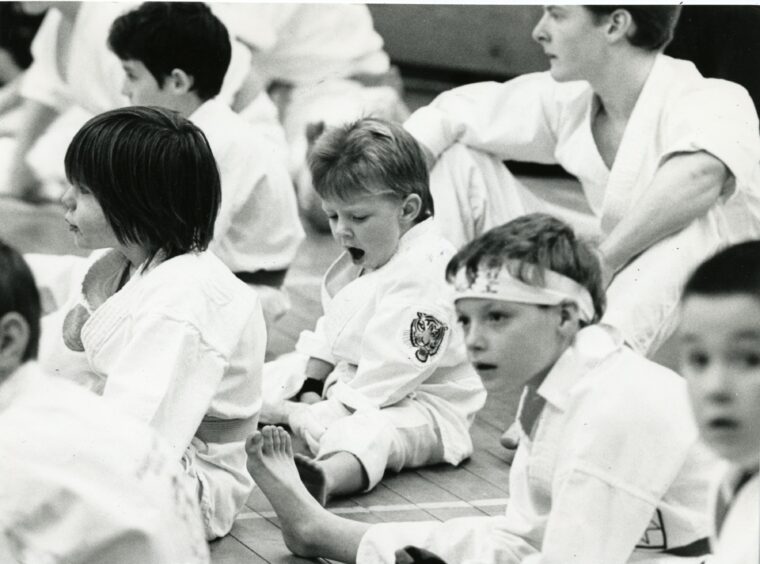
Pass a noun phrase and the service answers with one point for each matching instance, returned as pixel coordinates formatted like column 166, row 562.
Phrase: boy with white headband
column 608, row 468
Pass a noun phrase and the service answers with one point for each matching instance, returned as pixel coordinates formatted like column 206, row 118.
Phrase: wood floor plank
column 265, row 539
column 229, row 550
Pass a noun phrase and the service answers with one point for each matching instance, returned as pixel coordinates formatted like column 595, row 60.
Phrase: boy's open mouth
column 723, row 423
column 484, row 366
column 355, row 252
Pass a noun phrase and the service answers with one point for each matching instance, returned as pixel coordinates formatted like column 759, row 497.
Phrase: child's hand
column 310, row 398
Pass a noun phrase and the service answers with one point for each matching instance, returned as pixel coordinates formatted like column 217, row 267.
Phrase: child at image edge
column 719, row 338
column 80, row 482
column 383, row 380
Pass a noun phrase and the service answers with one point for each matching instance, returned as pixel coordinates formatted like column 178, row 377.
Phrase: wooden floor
column 477, row 487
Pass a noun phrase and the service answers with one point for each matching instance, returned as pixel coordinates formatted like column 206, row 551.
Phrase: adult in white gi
column 402, row 393
column 667, row 159
column 257, row 231
column 608, row 468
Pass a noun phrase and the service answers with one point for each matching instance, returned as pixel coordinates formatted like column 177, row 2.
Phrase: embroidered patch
column 426, row 335
column 654, row 536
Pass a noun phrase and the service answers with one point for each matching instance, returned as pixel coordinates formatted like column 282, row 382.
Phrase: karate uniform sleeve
column 315, row 343
column 619, row 459
column 512, row 120
column 720, row 118
column 165, row 375
column 401, row 347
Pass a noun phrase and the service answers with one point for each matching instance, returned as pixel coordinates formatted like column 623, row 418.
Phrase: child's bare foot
column 313, row 477
column 271, row 464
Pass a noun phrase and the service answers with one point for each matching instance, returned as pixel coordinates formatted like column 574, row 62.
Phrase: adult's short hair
column 527, row 247
column 153, row 174
column 18, row 293
column 370, row 155
column 655, row 25
column 165, row 36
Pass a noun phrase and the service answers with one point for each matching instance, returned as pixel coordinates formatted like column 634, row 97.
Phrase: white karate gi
column 736, row 538
column 82, row 483
column 258, row 227
column 180, row 346
column 395, row 398
column 608, row 471
column 533, row 118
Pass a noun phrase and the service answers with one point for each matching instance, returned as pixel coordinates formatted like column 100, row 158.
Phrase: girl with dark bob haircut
column 153, row 174
column 151, row 319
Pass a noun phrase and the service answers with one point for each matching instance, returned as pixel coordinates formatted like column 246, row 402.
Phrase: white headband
column 499, row 284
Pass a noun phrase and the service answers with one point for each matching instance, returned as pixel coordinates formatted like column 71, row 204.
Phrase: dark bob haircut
column 528, row 246
column 18, row 293
column 370, row 155
column 165, row 36
column 655, row 25
column 154, row 175
column 734, row 270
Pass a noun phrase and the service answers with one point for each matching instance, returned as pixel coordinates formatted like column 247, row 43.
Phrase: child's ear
column 569, row 321
column 411, row 207
column 14, row 338
column 179, row 82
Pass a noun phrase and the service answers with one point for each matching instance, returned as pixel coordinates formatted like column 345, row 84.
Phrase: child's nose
column 473, row 339
column 68, row 199
column 716, row 383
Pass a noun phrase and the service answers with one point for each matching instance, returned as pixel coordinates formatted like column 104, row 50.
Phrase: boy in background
column 175, row 55
column 81, row 482
column 719, row 339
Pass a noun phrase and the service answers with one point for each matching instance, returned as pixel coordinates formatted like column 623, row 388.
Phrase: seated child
column 608, row 468
column 175, row 55
column 719, row 338
column 156, row 323
column 386, row 358
column 80, row 482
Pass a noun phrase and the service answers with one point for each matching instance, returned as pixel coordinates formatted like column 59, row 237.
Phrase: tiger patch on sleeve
column 426, row 335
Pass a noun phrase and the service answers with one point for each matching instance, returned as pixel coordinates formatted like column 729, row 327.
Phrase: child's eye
column 697, row 360
column 359, row 218
column 463, row 320
column 332, row 216
column 750, row 360
column 497, row 317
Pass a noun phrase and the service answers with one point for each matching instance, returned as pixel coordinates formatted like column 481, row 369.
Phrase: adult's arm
column 684, row 188
column 512, row 120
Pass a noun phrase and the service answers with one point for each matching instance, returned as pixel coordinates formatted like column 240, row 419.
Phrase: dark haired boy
column 175, row 55
column 719, row 338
